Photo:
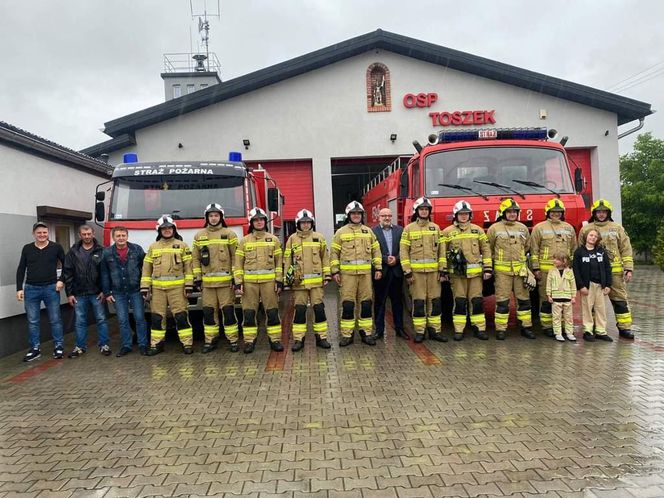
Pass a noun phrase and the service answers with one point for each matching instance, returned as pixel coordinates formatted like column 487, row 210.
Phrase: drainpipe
column 636, row 128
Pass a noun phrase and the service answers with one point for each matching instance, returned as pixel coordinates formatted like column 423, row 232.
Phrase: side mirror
column 100, row 196
column 404, row 183
column 100, row 209
column 273, row 199
column 578, row 180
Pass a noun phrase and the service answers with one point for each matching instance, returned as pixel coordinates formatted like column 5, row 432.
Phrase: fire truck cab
column 483, row 167
column 141, row 192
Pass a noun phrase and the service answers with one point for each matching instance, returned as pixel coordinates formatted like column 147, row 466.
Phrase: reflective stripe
column 320, row 326
column 186, row 333
column 168, row 283
column 166, row 277
column 222, row 242
column 258, row 272
column 217, row 274
column 355, row 267
column 224, row 278
column 262, row 276
column 312, row 275
column 357, row 261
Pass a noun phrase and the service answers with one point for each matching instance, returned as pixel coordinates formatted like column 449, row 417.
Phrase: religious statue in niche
column 378, row 91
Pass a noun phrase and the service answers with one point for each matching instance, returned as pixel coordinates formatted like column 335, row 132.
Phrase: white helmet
column 304, row 215
column 257, row 213
column 214, row 208
column 354, row 207
column 165, row 221
column 462, row 206
column 422, row 202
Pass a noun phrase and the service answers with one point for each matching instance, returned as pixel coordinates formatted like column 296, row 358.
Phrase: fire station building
column 325, row 123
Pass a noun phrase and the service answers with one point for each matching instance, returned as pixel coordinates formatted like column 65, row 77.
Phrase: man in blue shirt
column 391, row 285
column 121, row 281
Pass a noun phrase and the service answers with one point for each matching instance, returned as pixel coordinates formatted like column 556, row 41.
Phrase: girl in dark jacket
column 592, row 272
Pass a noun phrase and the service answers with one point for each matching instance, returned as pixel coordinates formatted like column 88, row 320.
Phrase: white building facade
column 315, row 124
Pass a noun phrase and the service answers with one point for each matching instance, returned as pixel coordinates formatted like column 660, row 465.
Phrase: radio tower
column 204, row 28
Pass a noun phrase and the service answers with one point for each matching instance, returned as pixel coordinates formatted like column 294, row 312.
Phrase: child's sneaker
column 560, row 338
column 105, row 350
column 58, row 352
column 571, row 337
column 76, row 352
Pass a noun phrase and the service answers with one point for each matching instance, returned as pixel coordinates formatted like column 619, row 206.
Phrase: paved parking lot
column 513, row 418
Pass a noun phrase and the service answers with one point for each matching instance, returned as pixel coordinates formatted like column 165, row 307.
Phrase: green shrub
column 658, row 250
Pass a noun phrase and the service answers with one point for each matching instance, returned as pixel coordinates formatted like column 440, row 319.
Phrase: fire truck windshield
column 183, row 196
column 544, row 169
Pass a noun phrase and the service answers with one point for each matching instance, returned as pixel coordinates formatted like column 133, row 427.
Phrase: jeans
column 122, row 303
column 81, row 308
column 34, row 295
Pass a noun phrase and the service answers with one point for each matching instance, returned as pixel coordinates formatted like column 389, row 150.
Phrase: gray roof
column 626, row 109
column 33, row 144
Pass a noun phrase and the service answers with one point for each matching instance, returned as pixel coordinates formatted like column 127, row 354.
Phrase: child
column 561, row 293
column 592, row 271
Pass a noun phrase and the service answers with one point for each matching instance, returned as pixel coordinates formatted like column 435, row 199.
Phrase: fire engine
column 483, row 166
column 141, row 192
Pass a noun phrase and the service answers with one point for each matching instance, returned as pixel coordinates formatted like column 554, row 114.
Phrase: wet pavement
column 475, row 418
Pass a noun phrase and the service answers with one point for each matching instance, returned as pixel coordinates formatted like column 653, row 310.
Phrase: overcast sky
column 68, row 66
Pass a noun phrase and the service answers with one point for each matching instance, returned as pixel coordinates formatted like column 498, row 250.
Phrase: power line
column 638, row 78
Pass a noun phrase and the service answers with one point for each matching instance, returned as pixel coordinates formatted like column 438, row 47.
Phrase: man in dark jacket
column 391, row 285
column 121, row 283
column 82, row 277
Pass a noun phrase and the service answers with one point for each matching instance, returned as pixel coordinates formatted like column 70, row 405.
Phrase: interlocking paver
column 522, row 418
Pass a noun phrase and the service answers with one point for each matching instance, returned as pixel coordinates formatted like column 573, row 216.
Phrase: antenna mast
column 204, row 26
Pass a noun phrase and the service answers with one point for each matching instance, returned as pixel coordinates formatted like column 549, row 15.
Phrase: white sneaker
column 559, row 337
column 570, row 337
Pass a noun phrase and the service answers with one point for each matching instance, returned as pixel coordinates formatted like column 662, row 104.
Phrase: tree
column 642, row 190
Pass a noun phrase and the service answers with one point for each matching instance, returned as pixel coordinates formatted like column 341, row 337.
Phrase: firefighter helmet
column 256, row 213
column 422, row 202
column 601, row 205
column 554, row 205
column 304, row 215
column 462, row 206
column 214, row 208
column 506, row 205
column 166, row 221
column 354, row 207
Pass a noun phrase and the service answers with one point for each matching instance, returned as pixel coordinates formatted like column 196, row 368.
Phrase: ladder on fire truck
column 399, row 163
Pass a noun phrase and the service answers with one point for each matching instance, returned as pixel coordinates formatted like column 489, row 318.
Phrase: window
column 204, row 85
column 191, row 89
column 473, row 168
column 177, row 91
column 149, row 197
column 416, row 180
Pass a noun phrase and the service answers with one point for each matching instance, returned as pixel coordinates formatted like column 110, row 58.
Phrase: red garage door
column 295, row 181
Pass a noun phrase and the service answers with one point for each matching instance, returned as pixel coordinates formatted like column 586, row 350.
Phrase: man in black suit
column 391, row 285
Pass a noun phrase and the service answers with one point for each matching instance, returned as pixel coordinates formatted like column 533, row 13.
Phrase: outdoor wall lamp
column 246, row 143
column 393, row 137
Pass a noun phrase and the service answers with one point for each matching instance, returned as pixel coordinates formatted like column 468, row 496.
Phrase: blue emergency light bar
column 493, row 134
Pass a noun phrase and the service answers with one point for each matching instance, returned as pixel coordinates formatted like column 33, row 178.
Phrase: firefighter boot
column 419, row 338
column 436, row 336
column 500, row 335
column 346, row 341
column 208, row 347
column 528, row 333
column 187, row 349
column 547, row 332
column 458, row 336
column 276, row 346
column 249, row 347
column 322, row 342
column 298, row 345
column 234, row 347
column 367, row 339
column 480, row 334
column 155, row 350
column 626, row 334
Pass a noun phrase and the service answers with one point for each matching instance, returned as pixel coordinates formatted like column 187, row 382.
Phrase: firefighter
column 549, row 237
column 619, row 248
column 307, row 264
column 213, row 253
column 510, row 242
column 422, row 263
column 167, row 281
column 466, row 262
column 259, row 278
column 355, row 251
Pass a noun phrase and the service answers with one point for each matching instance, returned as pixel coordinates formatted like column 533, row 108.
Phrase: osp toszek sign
column 445, row 118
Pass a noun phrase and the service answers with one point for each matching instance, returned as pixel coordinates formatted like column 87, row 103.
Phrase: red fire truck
column 141, row 192
column 484, row 167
